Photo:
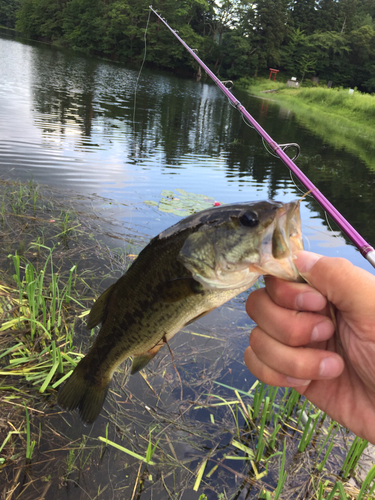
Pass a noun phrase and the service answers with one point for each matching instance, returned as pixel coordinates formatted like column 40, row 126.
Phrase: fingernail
column 310, row 301
column 297, row 382
column 330, row 367
column 306, row 260
column 322, row 331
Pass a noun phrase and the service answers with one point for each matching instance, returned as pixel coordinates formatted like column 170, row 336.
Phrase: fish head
column 235, row 244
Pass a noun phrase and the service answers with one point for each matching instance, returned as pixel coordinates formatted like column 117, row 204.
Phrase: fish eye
column 249, row 219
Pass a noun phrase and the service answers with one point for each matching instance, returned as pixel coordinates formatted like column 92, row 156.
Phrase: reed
column 29, row 443
column 42, row 312
column 261, row 439
column 282, row 475
column 357, row 448
column 330, row 436
column 366, row 488
column 126, row 450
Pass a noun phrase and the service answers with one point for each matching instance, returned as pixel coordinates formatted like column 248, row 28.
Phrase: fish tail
column 83, row 392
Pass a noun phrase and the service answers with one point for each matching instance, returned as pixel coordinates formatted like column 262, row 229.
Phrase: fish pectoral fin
column 141, row 360
column 180, row 288
column 97, row 312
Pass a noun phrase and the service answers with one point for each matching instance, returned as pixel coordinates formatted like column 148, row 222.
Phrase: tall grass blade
column 366, row 483
column 200, row 475
column 243, row 448
column 357, row 448
column 125, row 450
column 329, row 449
column 29, row 444
column 261, row 441
column 282, row 475
column 49, row 376
column 150, row 449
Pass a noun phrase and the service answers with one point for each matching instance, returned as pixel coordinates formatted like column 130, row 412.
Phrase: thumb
column 350, row 288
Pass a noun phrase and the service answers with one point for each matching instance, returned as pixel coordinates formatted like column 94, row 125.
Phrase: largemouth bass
column 182, row 274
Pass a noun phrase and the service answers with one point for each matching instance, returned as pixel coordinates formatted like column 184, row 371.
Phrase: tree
column 328, row 16
column 8, row 12
column 333, row 38
column 307, row 64
column 303, row 15
column 362, row 45
column 41, row 19
column 271, row 24
column 292, row 53
column 331, row 50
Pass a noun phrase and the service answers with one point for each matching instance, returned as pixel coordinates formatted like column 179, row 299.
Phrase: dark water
column 73, row 123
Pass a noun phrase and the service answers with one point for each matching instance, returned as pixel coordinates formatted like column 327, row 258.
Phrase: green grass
column 44, row 298
column 357, row 106
column 337, row 100
column 263, row 440
column 340, row 119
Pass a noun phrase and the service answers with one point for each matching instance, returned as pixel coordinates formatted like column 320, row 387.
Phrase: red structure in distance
column 273, row 72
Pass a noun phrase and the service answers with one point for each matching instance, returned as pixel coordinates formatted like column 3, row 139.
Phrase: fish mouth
column 282, row 239
column 287, row 236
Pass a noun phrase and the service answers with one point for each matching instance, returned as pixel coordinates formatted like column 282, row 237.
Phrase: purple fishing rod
column 366, row 250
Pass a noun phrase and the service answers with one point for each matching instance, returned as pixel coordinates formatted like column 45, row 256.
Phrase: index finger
column 296, row 296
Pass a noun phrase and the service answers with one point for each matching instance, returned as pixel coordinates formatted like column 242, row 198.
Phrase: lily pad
column 183, row 203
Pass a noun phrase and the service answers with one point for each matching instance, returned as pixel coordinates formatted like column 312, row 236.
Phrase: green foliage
column 41, row 19
column 236, row 38
column 8, row 12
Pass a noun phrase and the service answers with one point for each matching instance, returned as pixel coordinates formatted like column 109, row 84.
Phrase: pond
column 98, row 132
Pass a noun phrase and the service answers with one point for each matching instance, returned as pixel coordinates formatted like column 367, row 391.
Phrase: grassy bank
column 341, row 119
column 338, row 101
column 211, row 444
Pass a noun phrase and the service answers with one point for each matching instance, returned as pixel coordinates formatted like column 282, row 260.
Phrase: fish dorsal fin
column 97, row 312
column 141, row 360
column 180, row 288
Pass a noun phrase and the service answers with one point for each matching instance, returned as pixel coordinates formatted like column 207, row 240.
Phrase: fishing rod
column 366, row 250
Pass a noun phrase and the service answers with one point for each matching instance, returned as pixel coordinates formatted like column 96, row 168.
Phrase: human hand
column 295, row 344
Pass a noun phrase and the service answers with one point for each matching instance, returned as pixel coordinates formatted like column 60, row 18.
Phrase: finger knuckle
column 294, row 335
column 255, row 340
column 252, row 303
column 300, row 367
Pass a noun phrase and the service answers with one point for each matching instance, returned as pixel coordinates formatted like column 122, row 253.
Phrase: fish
column 184, row 273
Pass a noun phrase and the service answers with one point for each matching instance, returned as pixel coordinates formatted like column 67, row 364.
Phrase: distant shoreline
column 341, row 119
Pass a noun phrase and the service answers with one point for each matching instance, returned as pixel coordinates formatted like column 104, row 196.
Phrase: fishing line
column 308, row 242
column 141, row 68
column 298, row 188
column 269, row 151
column 366, row 250
column 329, row 224
column 246, row 122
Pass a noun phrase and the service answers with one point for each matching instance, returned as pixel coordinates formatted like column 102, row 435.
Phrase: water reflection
column 70, row 121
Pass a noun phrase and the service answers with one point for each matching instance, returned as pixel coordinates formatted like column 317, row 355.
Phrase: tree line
column 331, row 39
